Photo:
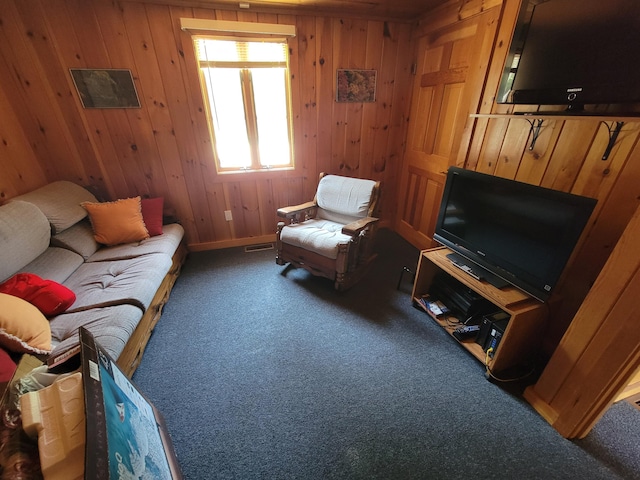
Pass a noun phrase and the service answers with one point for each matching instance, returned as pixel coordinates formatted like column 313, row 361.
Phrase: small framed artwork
column 105, row 88
column 356, row 85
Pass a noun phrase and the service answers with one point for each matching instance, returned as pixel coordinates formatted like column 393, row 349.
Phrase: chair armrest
column 292, row 211
column 354, row 228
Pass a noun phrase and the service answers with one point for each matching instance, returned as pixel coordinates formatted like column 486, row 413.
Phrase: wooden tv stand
column 528, row 315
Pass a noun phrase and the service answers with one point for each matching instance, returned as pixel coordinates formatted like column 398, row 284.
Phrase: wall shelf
column 536, row 120
column 623, row 117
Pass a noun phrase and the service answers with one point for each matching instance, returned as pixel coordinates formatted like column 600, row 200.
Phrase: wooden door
column 451, row 65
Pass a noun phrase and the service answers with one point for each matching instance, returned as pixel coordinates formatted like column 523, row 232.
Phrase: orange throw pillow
column 23, row 328
column 117, row 222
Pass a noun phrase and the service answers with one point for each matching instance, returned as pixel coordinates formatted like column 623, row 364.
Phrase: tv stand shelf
column 528, row 315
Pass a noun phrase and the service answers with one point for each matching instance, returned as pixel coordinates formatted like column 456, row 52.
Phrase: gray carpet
column 263, row 372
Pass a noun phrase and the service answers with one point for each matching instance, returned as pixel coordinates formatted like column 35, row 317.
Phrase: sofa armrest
column 294, row 210
column 354, row 228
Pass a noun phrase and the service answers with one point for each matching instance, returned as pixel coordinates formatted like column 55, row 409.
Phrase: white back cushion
column 60, row 202
column 24, row 235
column 344, row 198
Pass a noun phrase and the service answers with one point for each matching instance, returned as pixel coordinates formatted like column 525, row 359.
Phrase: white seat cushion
column 316, row 235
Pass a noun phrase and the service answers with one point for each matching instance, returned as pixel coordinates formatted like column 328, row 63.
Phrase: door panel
column 451, row 62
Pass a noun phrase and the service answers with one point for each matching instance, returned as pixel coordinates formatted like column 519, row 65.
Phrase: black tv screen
column 574, row 52
column 523, row 234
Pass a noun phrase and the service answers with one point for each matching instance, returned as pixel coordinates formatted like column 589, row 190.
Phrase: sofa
column 117, row 288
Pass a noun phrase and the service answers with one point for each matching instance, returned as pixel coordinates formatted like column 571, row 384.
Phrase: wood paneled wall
column 567, row 156
column 164, row 148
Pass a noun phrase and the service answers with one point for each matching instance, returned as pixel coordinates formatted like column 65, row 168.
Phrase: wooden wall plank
column 95, row 126
column 325, row 78
column 131, row 139
column 205, row 191
column 250, row 209
column 596, row 176
column 306, row 60
column 355, row 111
column 378, row 139
column 178, row 138
column 569, row 154
column 164, row 147
column 535, row 161
column 18, row 163
column 339, row 112
column 32, row 98
column 400, row 107
column 512, row 150
column 85, row 160
column 369, row 126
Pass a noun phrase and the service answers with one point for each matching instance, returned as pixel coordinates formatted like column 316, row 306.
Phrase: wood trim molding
column 196, row 25
column 600, row 352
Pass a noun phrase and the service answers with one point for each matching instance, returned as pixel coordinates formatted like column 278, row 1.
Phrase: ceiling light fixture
column 244, row 5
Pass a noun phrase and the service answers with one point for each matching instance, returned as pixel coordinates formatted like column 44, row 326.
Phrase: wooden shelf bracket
column 613, row 136
column 614, row 126
column 534, row 131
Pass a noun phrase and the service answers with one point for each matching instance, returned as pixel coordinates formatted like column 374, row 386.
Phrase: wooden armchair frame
column 353, row 257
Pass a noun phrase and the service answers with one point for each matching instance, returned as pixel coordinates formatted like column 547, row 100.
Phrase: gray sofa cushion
column 166, row 243
column 78, row 238
column 60, row 202
column 133, row 281
column 55, row 264
column 112, row 327
column 24, row 234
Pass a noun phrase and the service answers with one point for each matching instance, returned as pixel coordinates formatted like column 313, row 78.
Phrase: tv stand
column 476, row 271
column 528, row 316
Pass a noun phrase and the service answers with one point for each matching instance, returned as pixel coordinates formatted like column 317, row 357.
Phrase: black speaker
column 492, row 328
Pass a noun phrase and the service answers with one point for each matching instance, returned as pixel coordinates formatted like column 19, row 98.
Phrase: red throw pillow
column 50, row 297
column 7, row 366
column 152, row 214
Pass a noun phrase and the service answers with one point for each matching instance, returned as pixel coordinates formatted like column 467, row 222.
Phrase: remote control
column 464, row 332
column 468, row 329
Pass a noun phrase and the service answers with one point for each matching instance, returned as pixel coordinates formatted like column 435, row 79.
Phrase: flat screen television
column 573, row 53
column 508, row 232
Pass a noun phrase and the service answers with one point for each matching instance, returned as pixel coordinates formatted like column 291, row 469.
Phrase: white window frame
column 244, row 32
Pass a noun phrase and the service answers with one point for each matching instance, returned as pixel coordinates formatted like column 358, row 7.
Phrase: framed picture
column 356, row 85
column 105, row 88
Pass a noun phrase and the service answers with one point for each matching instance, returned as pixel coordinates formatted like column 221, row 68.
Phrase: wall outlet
column 227, row 215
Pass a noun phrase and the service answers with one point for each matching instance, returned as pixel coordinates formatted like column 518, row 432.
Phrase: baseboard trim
column 236, row 242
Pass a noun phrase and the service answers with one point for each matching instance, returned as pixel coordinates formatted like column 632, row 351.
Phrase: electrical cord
column 490, row 374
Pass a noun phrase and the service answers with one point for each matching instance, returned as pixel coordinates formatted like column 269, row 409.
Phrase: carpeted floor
column 263, row 372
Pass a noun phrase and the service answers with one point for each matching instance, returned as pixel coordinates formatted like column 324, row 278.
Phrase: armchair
column 331, row 236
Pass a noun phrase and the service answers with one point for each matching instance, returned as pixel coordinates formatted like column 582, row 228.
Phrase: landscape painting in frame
column 105, row 88
column 356, row 85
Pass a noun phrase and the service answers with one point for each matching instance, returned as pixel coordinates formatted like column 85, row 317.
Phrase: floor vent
column 259, row 247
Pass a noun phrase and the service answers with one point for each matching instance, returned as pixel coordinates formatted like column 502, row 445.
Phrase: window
column 245, row 84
